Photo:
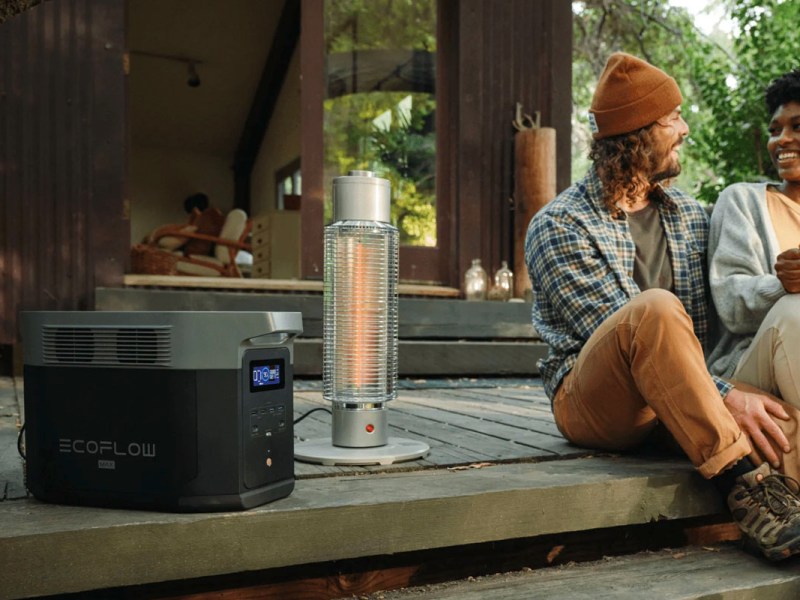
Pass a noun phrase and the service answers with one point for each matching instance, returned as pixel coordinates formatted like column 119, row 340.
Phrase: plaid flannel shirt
column 580, row 260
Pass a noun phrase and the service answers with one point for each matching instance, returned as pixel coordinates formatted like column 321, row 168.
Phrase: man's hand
column 754, row 411
column 787, row 268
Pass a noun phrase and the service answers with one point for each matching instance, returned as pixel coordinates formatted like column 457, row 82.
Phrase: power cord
column 19, row 442
column 313, row 410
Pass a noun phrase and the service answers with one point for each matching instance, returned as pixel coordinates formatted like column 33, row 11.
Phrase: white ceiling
column 229, row 38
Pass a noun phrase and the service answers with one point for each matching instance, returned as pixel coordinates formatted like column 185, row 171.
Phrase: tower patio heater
column 359, row 369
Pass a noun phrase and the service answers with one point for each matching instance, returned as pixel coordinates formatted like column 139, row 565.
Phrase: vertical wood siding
column 64, row 223
column 508, row 51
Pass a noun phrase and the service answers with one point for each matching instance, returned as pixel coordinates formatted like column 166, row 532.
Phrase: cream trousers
column 772, row 362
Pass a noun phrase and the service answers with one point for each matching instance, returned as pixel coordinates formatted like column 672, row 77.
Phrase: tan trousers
column 643, row 366
column 772, row 363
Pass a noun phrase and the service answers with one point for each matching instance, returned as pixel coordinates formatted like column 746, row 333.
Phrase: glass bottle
column 476, row 281
column 504, row 282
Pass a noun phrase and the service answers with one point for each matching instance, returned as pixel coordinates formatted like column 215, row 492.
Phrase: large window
column 380, row 104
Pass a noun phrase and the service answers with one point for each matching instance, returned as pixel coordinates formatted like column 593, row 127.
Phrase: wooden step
column 48, row 549
column 438, row 337
column 695, row 573
column 419, row 318
column 438, row 358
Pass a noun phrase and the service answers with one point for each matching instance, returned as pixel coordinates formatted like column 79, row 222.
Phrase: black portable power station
column 177, row 411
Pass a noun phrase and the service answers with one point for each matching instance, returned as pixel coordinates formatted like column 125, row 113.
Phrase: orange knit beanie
column 631, row 94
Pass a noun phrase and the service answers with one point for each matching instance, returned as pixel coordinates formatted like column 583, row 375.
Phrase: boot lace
column 781, row 494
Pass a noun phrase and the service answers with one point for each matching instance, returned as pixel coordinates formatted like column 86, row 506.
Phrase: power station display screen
column 267, row 374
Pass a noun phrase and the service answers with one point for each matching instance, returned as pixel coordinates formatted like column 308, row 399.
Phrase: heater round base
column 322, row 451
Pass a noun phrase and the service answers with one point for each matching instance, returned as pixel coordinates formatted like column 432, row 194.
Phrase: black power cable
column 313, row 410
column 19, row 442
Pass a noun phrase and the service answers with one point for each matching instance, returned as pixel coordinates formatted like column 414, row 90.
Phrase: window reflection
column 380, row 104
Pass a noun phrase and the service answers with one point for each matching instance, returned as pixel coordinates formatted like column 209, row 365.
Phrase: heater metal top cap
column 360, row 196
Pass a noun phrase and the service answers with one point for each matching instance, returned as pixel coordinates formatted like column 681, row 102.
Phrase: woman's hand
column 787, row 268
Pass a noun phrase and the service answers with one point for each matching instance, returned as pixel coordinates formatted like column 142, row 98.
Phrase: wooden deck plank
column 463, row 430
column 428, row 421
column 531, row 397
column 332, row 518
column 453, row 413
column 443, row 451
column 508, row 413
column 720, row 573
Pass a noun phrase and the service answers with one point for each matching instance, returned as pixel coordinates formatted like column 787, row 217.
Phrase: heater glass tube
column 360, row 312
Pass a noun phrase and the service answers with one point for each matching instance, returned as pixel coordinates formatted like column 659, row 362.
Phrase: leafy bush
column 722, row 77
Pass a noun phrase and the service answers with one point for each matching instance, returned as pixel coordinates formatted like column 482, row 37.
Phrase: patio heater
column 359, row 364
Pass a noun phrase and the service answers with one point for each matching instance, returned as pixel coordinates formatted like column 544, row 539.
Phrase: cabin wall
column 64, row 213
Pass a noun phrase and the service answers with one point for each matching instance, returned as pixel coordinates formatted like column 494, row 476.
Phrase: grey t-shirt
column 651, row 266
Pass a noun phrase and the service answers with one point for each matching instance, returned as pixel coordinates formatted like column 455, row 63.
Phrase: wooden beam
column 312, row 95
column 269, row 88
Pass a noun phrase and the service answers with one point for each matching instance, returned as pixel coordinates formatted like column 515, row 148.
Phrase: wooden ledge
column 48, row 549
column 269, row 285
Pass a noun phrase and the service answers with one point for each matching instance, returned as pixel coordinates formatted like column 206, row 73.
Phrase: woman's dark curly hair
column 624, row 163
column 782, row 90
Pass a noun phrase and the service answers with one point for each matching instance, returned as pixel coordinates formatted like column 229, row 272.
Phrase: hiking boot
column 766, row 507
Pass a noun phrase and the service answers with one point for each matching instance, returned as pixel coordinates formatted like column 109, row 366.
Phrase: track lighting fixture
column 192, row 78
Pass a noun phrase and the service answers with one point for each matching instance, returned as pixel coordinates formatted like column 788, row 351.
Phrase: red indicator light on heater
column 370, row 428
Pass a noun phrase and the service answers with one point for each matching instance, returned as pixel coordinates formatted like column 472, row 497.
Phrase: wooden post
column 534, row 186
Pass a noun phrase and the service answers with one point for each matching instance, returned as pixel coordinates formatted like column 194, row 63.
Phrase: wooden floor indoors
column 500, row 490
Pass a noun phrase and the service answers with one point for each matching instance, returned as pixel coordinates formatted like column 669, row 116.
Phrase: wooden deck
column 498, row 472
column 486, row 421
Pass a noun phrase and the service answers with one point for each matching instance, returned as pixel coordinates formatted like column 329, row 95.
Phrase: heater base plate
column 322, row 451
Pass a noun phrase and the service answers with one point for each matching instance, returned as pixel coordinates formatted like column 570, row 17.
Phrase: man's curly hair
column 624, row 163
column 783, row 90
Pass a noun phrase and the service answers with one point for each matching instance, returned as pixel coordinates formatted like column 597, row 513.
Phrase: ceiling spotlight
column 194, row 78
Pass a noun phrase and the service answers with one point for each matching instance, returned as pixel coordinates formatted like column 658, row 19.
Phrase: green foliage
column 11, row 8
column 732, row 135
column 403, row 153
column 722, row 78
column 369, row 24
column 388, row 130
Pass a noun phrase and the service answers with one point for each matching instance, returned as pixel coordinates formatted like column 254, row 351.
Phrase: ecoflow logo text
column 106, row 448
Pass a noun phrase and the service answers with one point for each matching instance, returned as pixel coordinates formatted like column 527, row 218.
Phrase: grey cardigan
column 742, row 249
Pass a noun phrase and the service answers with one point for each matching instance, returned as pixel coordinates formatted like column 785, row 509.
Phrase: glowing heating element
column 360, row 313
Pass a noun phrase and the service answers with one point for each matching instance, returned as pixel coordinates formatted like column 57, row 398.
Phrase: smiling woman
column 754, row 273
column 783, row 145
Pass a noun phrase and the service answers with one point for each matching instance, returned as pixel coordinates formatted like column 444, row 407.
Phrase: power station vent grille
column 119, row 346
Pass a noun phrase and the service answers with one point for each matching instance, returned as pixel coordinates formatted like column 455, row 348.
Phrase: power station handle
column 274, row 338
